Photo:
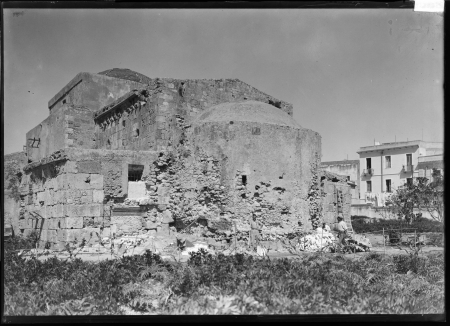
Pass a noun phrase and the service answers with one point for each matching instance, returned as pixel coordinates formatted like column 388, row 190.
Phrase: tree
column 422, row 194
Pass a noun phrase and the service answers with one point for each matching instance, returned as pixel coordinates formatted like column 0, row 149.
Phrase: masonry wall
column 187, row 98
column 67, row 126
column 277, row 165
column 12, row 177
column 52, row 135
column 92, row 91
column 337, row 198
column 69, row 194
column 155, row 115
column 346, row 168
column 132, row 125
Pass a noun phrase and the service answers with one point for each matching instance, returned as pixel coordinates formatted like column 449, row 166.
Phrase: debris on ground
column 316, row 241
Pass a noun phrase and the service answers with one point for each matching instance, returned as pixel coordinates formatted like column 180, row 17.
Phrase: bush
column 52, row 286
column 218, row 284
column 422, row 225
column 316, row 284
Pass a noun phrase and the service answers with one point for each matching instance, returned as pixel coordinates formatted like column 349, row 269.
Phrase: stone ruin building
column 121, row 153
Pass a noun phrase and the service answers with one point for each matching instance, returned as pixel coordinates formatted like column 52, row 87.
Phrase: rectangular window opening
column 408, row 159
column 368, row 163
column 369, row 186
column 388, row 162
column 135, row 172
column 388, row 185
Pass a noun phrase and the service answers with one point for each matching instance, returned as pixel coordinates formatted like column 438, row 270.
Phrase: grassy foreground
column 239, row 284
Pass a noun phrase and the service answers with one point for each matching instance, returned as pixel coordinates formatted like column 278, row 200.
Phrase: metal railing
column 368, row 171
column 408, row 168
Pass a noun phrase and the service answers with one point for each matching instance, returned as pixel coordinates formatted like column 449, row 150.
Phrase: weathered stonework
column 160, row 155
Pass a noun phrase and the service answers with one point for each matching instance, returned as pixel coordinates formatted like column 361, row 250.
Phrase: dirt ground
column 166, row 247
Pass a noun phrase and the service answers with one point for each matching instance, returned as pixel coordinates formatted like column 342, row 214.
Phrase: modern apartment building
column 385, row 167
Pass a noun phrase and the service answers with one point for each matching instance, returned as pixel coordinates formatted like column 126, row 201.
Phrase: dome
column 126, row 74
column 248, row 111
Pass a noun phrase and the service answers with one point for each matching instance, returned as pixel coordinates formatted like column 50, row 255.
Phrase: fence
column 396, row 237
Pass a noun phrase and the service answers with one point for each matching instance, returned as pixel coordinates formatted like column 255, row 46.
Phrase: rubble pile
column 316, row 241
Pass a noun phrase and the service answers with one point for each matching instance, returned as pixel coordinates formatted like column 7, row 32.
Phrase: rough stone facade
column 162, row 155
column 336, row 197
column 12, row 178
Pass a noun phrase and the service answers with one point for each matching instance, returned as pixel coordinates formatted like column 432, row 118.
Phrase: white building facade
column 385, row 167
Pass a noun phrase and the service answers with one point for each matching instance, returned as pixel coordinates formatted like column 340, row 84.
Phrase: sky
column 352, row 75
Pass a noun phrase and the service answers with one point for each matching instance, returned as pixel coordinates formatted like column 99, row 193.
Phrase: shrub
column 219, row 284
column 46, row 287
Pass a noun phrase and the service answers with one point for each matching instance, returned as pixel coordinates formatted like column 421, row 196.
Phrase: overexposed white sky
column 353, row 75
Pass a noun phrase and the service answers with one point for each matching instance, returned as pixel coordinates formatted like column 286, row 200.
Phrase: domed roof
column 127, row 74
column 251, row 111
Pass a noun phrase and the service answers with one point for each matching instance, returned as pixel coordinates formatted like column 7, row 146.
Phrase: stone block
column 148, row 225
column 52, row 183
column 61, row 181
column 69, row 167
column 88, row 221
column 167, row 217
column 98, row 196
column 52, row 236
column 41, row 196
column 89, row 167
column 133, row 223
column 53, row 223
column 91, row 210
column 79, row 181
column 48, row 193
column 136, row 189
column 58, row 211
column 61, row 235
column 71, row 222
column 44, row 224
column 96, row 181
column 48, row 211
column 43, row 236
column 86, row 197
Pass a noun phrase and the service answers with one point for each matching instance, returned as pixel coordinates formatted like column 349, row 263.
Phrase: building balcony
column 408, row 168
column 368, row 172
